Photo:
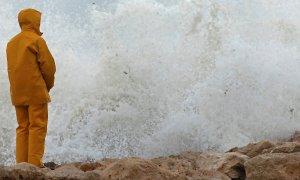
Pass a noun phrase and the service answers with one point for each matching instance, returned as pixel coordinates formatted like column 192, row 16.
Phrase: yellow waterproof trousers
column 31, row 133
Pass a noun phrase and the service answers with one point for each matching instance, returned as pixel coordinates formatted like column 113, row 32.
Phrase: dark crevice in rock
column 241, row 170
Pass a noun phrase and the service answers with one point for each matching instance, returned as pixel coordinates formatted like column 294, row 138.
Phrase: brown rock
column 230, row 164
column 254, row 149
column 286, row 147
column 71, row 171
column 270, row 160
column 137, row 169
column 192, row 164
column 92, row 166
column 102, row 164
column 187, row 168
column 28, row 171
column 296, row 137
column 5, row 173
column 176, row 164
column 208, row 175
column 277, row 166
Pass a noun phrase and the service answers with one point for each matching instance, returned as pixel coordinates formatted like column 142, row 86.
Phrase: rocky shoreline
column 264, row 160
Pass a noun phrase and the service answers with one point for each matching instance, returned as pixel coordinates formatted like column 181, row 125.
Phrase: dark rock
column 51, row 165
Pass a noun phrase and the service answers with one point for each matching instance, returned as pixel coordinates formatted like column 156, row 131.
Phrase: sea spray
column 150, row 78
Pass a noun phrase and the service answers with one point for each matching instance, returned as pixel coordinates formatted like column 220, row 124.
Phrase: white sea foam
column 151, row 78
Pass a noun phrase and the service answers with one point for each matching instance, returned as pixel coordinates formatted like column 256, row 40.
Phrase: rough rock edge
column 238, row 163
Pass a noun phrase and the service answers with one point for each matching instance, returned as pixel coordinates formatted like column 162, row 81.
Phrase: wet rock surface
column 262, row 160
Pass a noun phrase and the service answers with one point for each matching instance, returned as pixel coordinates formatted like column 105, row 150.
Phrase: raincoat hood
column 30, row 20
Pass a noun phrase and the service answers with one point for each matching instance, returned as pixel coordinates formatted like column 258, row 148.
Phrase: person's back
column 30, row 64
column 31, row 70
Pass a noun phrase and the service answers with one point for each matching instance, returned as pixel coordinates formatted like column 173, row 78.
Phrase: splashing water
column 150, row 78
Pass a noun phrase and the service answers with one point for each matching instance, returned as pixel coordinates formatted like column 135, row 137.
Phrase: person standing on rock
column 31, row 70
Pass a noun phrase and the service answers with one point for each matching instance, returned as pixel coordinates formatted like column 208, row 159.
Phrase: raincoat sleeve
column 46, row 63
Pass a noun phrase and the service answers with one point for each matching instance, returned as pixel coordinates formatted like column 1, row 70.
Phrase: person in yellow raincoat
column 31, row 70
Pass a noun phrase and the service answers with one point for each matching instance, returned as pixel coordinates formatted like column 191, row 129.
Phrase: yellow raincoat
column 31, row 70
column 31, row 66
